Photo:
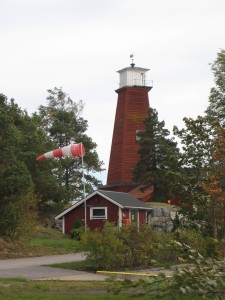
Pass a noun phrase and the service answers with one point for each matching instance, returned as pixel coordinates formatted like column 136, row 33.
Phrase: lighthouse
column 132, row 109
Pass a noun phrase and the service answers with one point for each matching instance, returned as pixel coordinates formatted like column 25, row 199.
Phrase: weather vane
column 132, row 56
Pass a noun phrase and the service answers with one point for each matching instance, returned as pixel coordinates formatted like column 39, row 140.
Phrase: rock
column 161, row 219
column 166, row 211
column 157, row 212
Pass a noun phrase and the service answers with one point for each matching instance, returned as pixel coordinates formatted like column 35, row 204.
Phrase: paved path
column 34, row 268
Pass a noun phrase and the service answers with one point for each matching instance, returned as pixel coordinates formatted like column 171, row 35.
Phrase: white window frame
column 92, row 217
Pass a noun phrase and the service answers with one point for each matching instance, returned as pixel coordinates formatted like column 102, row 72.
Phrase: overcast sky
column 80, row 44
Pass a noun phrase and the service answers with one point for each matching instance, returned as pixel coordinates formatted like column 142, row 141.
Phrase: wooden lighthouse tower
column 132, row 109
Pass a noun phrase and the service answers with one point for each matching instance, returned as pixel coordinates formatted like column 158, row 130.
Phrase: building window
column 137, row 135
column 98, row 213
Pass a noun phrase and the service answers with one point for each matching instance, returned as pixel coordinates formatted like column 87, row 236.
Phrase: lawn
column 47, row 241
column 51, row 246
column 20, row 289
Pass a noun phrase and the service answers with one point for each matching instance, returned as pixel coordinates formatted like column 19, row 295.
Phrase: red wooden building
column 101, row 206
column 132, row 109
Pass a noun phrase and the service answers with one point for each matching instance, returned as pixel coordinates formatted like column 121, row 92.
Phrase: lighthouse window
column 98, row 213
column 137, row 135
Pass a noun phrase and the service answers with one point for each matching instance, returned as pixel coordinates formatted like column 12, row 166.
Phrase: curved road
column 35, row 268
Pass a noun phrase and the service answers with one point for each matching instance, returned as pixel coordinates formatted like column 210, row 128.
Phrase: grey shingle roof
column 124, row 199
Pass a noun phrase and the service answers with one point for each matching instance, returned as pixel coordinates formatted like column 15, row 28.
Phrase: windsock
column 74, row 150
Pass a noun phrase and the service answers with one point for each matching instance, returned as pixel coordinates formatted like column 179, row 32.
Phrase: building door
column 134, row 216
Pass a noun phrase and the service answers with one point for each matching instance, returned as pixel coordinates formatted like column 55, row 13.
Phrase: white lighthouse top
column 133, row 76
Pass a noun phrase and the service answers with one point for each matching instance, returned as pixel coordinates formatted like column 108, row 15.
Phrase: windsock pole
column 85, row 207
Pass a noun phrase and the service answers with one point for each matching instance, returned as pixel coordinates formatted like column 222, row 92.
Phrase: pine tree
column 158, row 161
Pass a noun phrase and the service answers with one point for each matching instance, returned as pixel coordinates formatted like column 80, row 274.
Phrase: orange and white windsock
column 74, row 150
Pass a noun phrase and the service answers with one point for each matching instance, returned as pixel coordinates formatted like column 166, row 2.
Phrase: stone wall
column 161, row 219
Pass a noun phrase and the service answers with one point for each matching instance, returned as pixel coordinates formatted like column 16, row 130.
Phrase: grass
column 47, row 241
column 20, row 289
column 52, row 241
column 76, row 265
column 53, row 246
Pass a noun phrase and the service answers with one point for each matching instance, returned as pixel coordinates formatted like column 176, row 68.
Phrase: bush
column 130, row 247
column 76, row 233
column 161, row 250
column 203, row 279
column 104, row 247
column 206, row 246
column 134, row 243
column 77, row 230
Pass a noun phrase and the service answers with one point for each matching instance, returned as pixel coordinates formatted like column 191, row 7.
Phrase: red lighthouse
column 132, row 109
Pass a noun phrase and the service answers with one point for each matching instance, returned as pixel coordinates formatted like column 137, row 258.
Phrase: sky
column 80, row 45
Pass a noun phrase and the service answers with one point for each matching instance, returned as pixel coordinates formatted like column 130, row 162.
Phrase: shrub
column 78, row 223
column 104, row 247
column 76, row 233
column 130, row 247
column 78, row 230
column 140, row 244
column 204, row 245
column 204, row 278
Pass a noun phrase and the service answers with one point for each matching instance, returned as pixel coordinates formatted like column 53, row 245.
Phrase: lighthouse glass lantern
column 133, row 76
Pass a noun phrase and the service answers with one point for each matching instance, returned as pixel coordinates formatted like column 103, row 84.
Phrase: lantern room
column 134, row 77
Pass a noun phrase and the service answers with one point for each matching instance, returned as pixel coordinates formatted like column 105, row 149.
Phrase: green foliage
column 144, row 247
column 105, row 249
column 206, row 246
column 18, row 204
column 199, row 142
column 77, row 230
column 18, row 217
column 203, row 278
column 132, row 247
column 135, row 244
column 158, row 161
column 76, row 233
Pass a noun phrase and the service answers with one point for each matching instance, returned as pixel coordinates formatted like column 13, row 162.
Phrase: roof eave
column 136, row 207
